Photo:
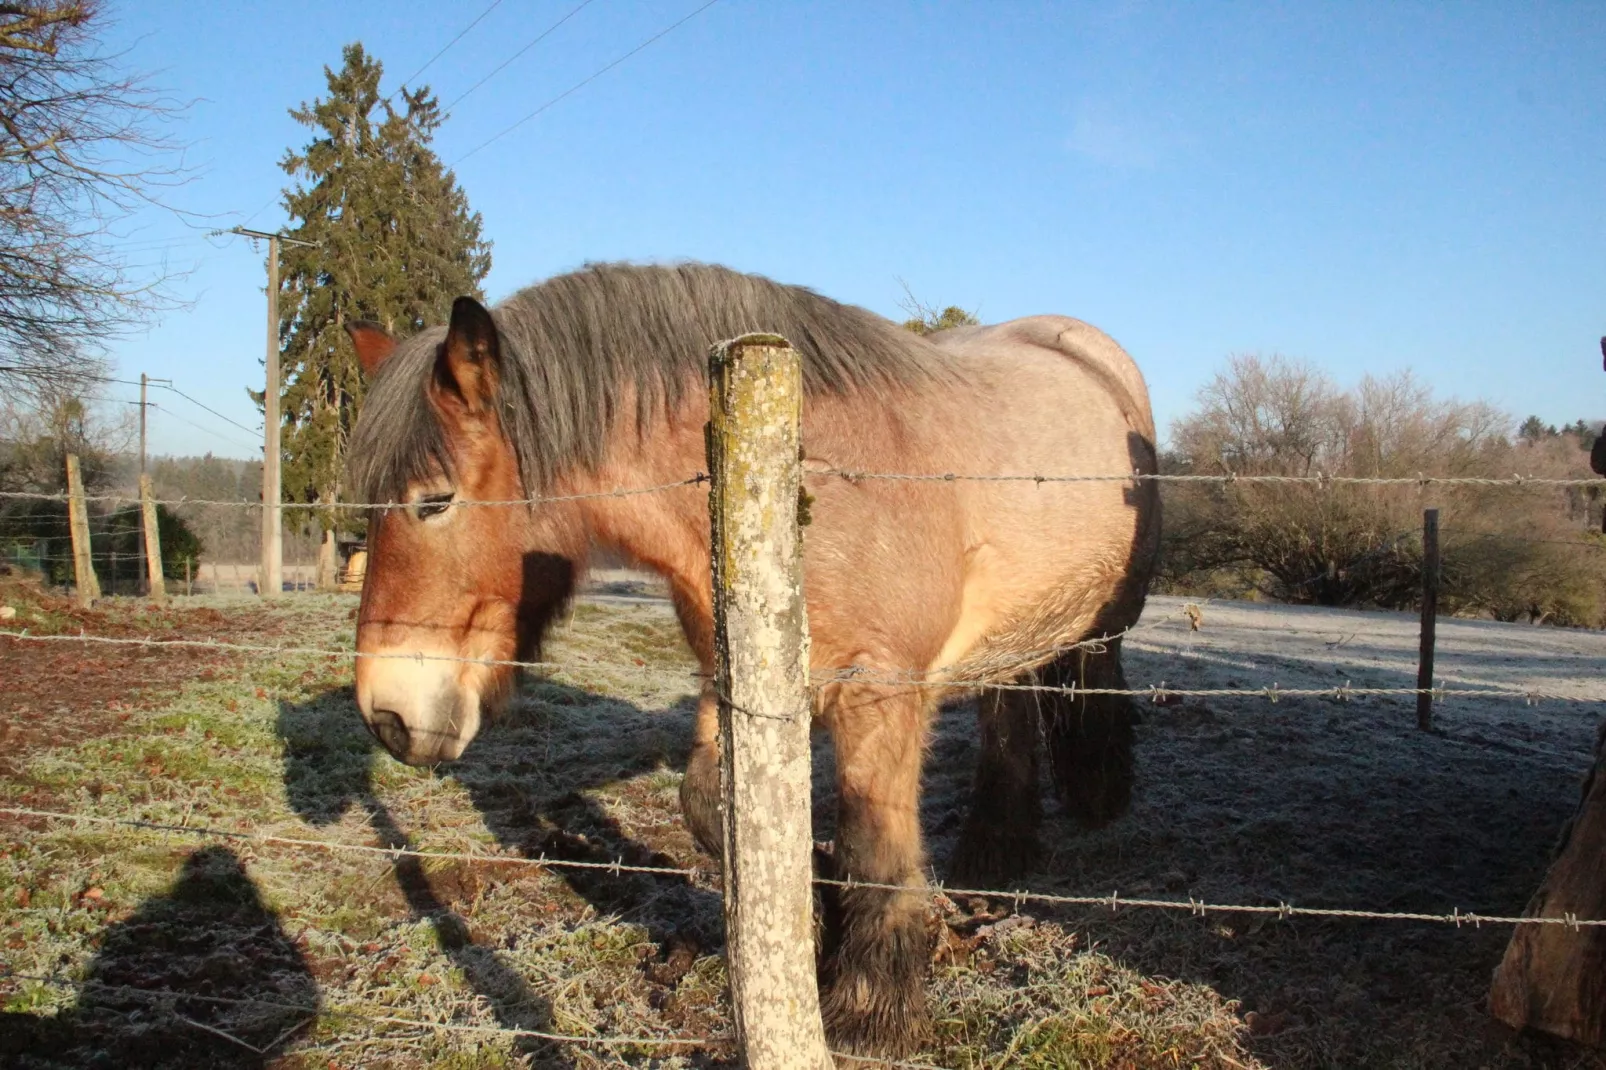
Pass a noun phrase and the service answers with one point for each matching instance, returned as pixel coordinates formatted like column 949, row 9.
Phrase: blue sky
column 1370, row 186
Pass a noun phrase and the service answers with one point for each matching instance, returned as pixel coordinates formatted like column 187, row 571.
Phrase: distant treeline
column 1511, row 553
column 228, row 533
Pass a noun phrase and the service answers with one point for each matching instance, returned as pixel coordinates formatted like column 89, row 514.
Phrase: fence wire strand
column 1113, row 901
column 854, row 476
column 155, row 995
column 1229, row 478
column 134, row 499
column 1159, row 694
column 162, row 994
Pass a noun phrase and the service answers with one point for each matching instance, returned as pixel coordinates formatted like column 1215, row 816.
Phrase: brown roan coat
column 595, row 381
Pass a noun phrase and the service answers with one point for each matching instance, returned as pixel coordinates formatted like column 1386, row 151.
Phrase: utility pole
column 144, row 381
column 271, row 583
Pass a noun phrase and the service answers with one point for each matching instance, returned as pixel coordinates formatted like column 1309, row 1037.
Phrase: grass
column 585, row 766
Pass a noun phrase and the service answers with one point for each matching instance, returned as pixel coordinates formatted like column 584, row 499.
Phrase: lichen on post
column 762, row 664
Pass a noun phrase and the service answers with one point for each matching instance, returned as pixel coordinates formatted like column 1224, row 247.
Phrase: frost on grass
column 1312, row 802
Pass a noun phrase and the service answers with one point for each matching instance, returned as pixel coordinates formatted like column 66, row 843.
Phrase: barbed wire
column 856, row 476
column 260, row 648
column 1157, row 693
column 134, row 498
column 1113, row 901
column 157, row 994
column 393, row 853
column 1321, row 480
column 1160, row 693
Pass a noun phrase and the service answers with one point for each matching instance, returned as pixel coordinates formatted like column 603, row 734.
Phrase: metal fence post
column 1430, row 613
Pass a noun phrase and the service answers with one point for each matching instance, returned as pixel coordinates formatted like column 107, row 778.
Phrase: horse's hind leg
column 876, row 947
column 999, row 839
column 699, row 789
column 1090, row 736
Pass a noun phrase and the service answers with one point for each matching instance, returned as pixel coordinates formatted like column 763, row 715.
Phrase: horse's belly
column 1040, row 580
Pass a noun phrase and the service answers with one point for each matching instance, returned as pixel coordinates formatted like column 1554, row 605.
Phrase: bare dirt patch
column 60, row 693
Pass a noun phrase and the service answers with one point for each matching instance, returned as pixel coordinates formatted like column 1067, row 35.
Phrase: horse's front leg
column 699, row 789
column 876, row 947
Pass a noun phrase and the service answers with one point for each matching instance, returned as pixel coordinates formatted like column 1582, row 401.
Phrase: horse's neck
column 665, row 530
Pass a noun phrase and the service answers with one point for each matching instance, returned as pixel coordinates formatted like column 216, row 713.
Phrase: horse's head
column 447, row 579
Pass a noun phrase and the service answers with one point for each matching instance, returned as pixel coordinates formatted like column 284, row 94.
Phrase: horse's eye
column 429, row 505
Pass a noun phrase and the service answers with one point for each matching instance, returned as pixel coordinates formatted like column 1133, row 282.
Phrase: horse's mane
column 573, row 345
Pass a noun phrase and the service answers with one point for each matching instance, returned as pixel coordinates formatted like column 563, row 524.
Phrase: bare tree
column 79, row 154
column 928, row 319
column 1509, row 554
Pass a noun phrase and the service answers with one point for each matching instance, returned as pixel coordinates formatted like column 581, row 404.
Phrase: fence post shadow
column 210, row 942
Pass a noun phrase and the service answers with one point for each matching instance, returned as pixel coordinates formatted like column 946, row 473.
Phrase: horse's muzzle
column 388, row 727
column 419, row 713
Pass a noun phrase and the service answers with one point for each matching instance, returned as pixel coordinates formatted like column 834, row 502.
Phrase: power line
column 444, row 48
column 461, row 34
column 135, row 382
column 208, row 408
column 215, row 434
column 539, row 38
column 587, row 80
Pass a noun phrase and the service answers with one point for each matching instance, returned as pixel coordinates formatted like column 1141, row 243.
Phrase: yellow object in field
column 351, row 578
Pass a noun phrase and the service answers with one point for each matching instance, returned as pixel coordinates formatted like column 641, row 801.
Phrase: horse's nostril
column 388, row 727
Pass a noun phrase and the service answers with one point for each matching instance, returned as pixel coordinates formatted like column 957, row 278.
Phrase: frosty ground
column 1313, row 802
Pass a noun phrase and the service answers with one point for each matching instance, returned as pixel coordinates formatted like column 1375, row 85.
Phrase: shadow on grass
column 1319, row 805
column 241, row 990
column 533, row 801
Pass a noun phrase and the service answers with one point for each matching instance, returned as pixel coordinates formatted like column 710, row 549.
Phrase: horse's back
column 1086, row 345
column 1046, row 563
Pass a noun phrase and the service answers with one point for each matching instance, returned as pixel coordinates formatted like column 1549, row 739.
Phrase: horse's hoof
column 1096, row 798
column 986, row 857
column 700, row 800
column 875, row 1016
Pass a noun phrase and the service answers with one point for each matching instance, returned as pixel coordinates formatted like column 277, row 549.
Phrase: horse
column 595, row 381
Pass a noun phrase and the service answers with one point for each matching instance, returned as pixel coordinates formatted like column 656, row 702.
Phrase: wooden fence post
column 1430, row 615
column 83, row 565
column 762, row 666
column 1550, row 977
column 328, row 561
column 153, row 541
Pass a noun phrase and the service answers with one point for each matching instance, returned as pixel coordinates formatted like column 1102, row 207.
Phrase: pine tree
column 397, row 243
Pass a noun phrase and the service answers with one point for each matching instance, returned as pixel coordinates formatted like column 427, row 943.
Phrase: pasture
column 1239, row 800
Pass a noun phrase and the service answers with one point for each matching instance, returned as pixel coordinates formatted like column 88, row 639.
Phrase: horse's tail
column 1089, row 736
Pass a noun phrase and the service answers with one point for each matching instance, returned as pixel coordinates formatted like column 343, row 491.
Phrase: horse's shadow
column 528, row 775
column 235, row 989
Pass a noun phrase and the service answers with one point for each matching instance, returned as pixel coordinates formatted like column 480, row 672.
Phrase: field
column 1240, row 800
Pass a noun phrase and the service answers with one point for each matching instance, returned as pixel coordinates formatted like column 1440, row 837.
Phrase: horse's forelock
column 398, row 438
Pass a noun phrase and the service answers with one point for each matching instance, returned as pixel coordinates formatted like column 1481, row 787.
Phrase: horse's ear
column 471, row 357
column 372, row 342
